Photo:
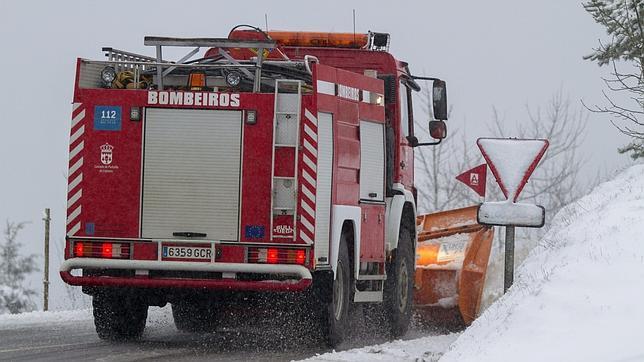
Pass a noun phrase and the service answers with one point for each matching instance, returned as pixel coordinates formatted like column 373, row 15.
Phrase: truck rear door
column 191, row 173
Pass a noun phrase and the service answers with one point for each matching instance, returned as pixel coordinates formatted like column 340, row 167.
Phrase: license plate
column 186, row 253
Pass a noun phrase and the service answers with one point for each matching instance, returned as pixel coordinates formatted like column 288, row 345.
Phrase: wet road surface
column 270, row 339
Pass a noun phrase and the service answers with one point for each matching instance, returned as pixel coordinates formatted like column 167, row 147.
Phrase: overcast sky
column 505, row 53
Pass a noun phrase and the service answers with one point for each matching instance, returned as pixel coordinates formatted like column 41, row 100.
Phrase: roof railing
column 222, row 43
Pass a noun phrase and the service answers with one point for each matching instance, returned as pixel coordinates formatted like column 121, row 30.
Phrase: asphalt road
column 267, row 338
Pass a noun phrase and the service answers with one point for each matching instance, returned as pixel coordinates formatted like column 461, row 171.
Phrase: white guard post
column 511, row 161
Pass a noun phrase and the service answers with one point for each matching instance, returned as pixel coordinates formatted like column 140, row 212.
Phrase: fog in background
column 495, row 53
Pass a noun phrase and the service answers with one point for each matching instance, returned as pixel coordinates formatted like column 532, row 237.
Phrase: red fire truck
column 271, row 162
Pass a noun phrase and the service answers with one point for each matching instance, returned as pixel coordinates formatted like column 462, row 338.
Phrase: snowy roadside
column 429, row 348
column 577, row 296
column 8, row 321
column 156, row 316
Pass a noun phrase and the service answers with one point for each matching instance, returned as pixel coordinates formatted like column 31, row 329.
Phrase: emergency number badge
column 107, row 118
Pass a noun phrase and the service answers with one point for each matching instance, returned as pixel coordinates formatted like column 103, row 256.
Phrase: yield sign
column 475, row 178
column 512, row 161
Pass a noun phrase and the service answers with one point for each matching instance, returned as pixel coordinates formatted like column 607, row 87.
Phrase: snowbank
column 579, row 296
column 156, row 316
column 12, row 320
column 421, row 349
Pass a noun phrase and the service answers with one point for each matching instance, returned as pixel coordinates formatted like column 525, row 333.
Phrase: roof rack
column 221, row 43
column 208, row 42
column 124, row 60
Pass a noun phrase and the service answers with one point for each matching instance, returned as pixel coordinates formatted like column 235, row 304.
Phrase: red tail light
column 277, row 256
column 272, row 256
column 107, row 250
column 300, row 257
column 78, row 249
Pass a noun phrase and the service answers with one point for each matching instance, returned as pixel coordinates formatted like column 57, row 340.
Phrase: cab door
column 405, row 159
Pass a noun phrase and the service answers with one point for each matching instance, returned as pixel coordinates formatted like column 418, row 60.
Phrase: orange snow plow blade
column 451, row 262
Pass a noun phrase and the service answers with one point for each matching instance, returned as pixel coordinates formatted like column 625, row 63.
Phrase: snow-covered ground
column 422, row 349
column 578, row 296
column 156, row 316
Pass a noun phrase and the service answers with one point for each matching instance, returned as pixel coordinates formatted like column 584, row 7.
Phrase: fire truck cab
column 273, row 162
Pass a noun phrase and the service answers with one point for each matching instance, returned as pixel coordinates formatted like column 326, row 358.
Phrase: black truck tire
column 193, row 316
column 335, row 314
column 118, row 318
column 399, row 286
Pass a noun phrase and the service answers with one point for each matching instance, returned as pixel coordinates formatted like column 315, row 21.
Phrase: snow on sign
column 511, row 214
column 512, row 161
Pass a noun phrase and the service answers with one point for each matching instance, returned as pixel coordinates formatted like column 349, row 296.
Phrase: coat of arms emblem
column 106, row 153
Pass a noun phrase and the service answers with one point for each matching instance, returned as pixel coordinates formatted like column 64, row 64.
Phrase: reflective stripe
column 309, row 147
column 309, row 163
column 75, row 167
column 325, row 87
column 307, row 208
column 308, row 178
column 79, row 132
column 311, row 117
column 307, row 224
column 72, row 200
column 74, row 229
column 75, row 182
column 79, row 117
column 305, row 237
column 308, row 194
column 74, row 215
column 76, row 150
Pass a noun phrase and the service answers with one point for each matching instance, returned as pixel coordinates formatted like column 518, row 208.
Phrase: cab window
column 406, row 119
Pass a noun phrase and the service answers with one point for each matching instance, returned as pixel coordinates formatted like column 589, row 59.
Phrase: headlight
column 233, row 79
column 108, row 74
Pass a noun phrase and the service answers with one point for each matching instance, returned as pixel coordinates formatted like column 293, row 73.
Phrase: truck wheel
column 194, row 316
column 337, row 311
column 398, row 290
column 118, row 319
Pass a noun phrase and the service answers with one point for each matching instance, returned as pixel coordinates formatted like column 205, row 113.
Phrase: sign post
column 511, row 161
column 45, row 280
column 508, row 275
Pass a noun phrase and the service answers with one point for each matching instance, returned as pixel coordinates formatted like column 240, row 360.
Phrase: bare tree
column 437, row 166
column 555, row 183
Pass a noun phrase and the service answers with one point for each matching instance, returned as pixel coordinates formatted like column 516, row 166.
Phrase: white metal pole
column 45, row 280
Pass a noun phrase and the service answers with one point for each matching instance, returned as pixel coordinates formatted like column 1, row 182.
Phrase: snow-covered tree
column 15, row 297
column 624, row 52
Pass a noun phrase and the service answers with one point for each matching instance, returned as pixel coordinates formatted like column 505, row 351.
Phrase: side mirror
column 439, row 97
column 437, row 129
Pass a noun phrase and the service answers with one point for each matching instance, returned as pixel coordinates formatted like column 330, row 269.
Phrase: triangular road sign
column 512, row 161
column 475, row 178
